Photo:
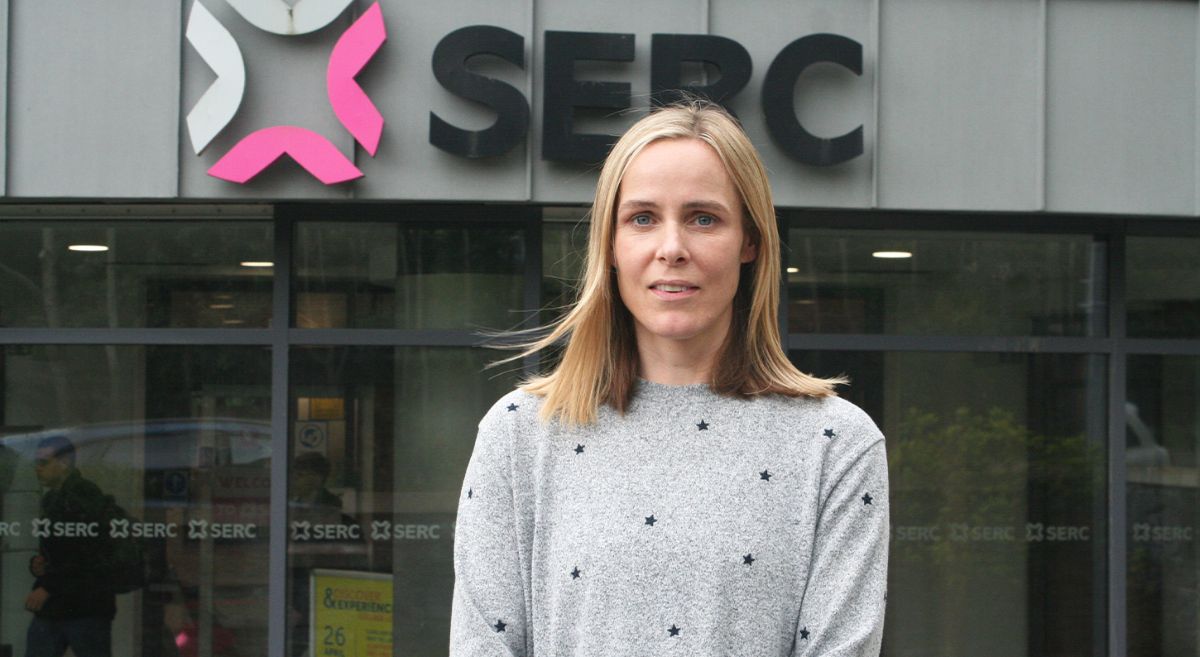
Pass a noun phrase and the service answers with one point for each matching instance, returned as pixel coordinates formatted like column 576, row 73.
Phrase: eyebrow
column 690, row 205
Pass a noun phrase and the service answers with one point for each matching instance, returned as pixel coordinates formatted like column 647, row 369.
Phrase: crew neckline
column 650, row 390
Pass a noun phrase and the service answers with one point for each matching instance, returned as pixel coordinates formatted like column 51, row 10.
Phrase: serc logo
column 220, row 102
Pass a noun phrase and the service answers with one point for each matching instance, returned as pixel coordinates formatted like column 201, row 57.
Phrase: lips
column 673, row 289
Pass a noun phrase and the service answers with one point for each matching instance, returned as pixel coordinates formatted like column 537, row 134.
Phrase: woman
column 675, row 484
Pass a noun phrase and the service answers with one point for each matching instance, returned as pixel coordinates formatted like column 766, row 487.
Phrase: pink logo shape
column 257, row 150
column 350, row 103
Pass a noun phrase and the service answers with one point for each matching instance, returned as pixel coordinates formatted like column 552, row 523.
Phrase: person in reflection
column 309, row 498
column 311, row 503
column 674, row 484
column 72, row 600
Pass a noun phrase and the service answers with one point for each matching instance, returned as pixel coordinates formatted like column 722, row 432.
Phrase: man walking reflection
column 72, row 600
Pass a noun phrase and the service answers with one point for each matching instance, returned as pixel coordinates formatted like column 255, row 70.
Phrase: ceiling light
column 220, row 306
column 892, row 255
column 257, row 263
column 793, row 270
column 88, row 248
column 234, row 321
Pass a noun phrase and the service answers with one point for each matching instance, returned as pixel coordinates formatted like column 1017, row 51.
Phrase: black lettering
column 777, row 96
column 668, row 52
column 563, row 93
column 512, row 110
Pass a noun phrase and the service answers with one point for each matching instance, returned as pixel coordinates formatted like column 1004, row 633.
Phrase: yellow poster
column 351, row 614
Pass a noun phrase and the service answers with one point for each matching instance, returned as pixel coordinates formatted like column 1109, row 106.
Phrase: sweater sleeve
column 490, row 613
column 841, row 614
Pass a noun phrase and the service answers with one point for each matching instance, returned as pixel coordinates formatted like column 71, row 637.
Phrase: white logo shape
column 197, row 529
column 118, row 528
column 381, row 529
column 41, row 527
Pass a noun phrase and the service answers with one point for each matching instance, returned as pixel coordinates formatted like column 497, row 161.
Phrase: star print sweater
column 694, row 524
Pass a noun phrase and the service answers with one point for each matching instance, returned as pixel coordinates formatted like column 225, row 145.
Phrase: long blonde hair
column 599, row 364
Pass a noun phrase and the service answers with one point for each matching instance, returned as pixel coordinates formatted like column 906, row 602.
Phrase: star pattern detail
column 830, row 433
column 578, row 449
column 576, row 573
column 500, row 625
column 748, row 559
column 470, row 493
column 673, row 631
column 804, row 633
column 512, row 407
column 765, row 475
column 866, row 498
column 702, row 425
column 650, row 520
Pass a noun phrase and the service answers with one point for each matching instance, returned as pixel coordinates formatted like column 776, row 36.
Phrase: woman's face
column 679, row 244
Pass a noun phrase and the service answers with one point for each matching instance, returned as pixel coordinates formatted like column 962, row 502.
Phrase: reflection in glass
column 948, row 284
column 1162, row 456
column 179, row 438
column 1162, row 285
column 408, row 276
column 997, row 466
column 564, row 245
column 140, row 274
column 381, row 438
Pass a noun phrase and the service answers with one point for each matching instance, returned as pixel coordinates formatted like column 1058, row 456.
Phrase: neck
column 677, row 362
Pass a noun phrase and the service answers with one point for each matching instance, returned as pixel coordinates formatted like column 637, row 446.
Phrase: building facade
column 250, row 251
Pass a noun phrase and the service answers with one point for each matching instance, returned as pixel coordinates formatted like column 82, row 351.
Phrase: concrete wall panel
column 960, row 104
column 1121, row 107
column 93, row 98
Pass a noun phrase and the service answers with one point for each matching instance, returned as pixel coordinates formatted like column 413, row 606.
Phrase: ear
column 749, row 250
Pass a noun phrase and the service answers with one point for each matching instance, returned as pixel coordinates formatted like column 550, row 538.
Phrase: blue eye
column 641, row 219
column 705, row 220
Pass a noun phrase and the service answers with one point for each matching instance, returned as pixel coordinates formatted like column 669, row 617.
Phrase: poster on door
column 351, row 613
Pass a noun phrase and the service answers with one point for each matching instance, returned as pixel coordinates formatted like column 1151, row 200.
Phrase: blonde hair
column 599, row 363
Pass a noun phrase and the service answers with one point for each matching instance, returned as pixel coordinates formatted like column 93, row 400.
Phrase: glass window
column 406, row 276
column 1162, row 282
column 997, row 466
column 381, row 438
column 902, row 282
column 1162, row 473
column 564, row 246
column 135, row 274
column 162, row 509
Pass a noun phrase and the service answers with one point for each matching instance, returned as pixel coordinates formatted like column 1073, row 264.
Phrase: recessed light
column 257, row 263
column 892, row 255
column 88, row 248
column 793, row 270
column 234, row 321
column 223, row 297
column 220, row 306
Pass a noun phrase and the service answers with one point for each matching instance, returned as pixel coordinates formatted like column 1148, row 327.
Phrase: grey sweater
column 695, row 524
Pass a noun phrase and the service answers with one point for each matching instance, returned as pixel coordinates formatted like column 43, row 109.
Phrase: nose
column 672, row 247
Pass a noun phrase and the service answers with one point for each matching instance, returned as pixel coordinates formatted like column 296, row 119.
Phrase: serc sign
column 563, row 93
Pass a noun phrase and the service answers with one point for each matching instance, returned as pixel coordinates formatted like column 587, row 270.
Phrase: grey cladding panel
column 93, row 98
column 401, row 81
column 569, row 183
column 960, row 104
column 829, row 100
column 1121, row 107
column 4, row 99
column 285, row 85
